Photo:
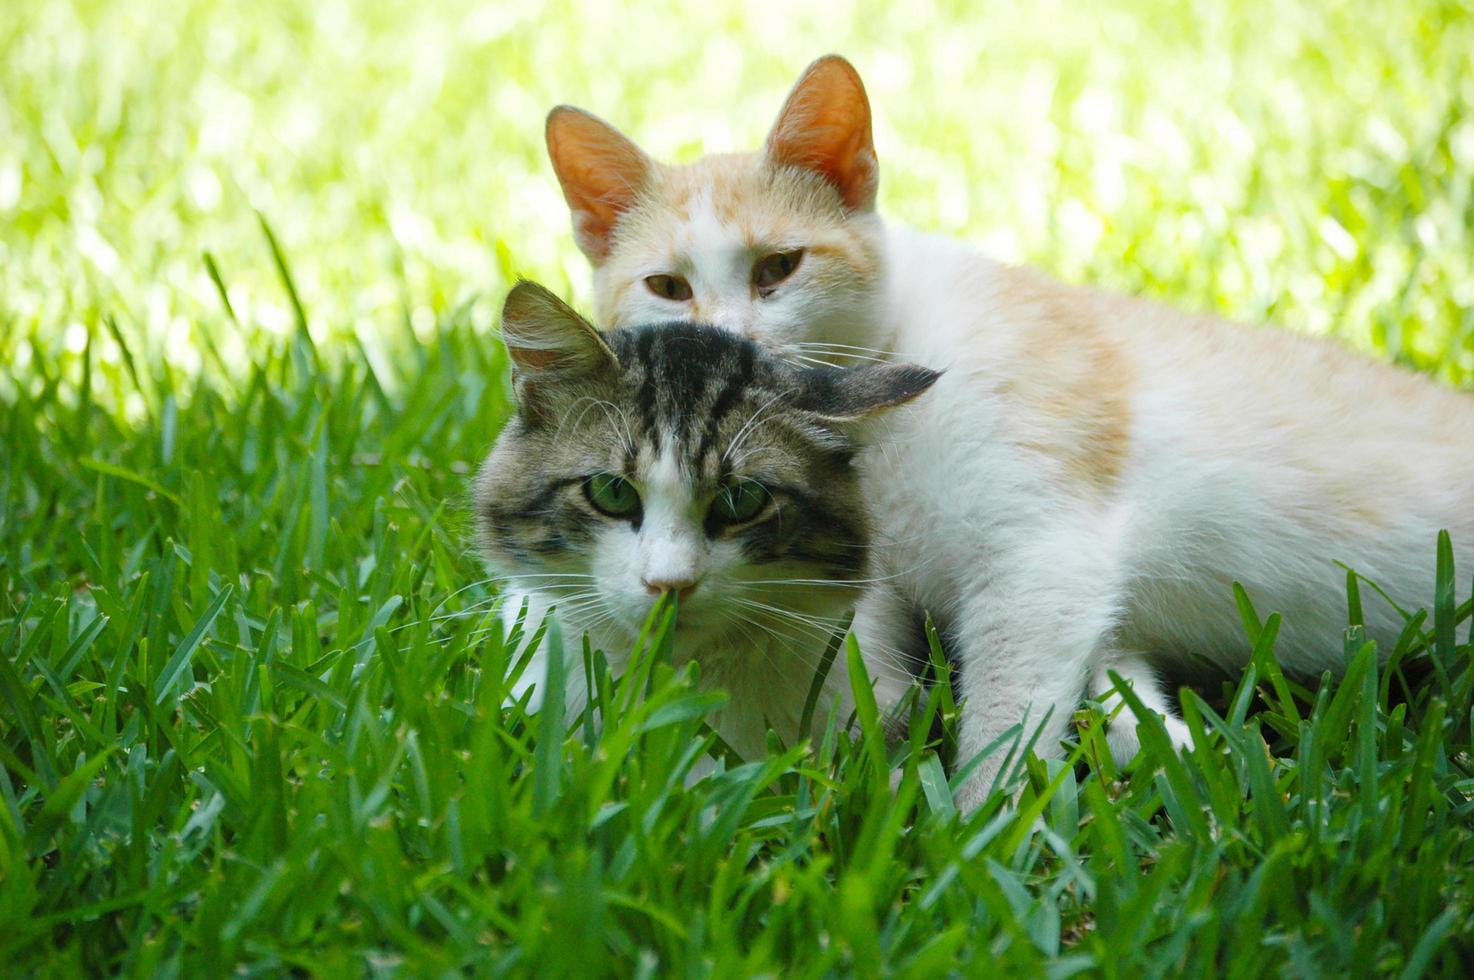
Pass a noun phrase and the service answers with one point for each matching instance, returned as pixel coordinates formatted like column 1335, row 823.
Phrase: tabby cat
column 684, row 459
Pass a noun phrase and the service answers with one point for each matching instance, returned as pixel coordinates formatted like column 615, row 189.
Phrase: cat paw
column 1121, row 737
column 1125, row 741
column 1179, row 733
column 972, row 794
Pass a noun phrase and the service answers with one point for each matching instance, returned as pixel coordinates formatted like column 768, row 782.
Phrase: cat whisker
column 791, row 613
column 483, row 606
column 798, row 646
column 506, row 592
column 810, row 361
column 747, row 426
column 522, row 575
column 837, row 582
column 470, row 637
column 742, row 622
column 822, row 345
column 829, row 627
column 621, row 427
column 465, row 588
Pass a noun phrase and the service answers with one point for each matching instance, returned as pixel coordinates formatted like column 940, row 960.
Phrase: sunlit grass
column 250, row 697
column 1308, row 164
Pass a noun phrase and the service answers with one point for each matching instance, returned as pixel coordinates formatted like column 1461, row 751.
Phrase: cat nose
column 682, row 587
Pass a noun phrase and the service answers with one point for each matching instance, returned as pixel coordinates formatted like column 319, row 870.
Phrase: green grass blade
column 179, row 661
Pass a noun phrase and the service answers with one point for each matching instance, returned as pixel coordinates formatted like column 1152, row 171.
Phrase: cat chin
column 709, row 632
column 692, row 627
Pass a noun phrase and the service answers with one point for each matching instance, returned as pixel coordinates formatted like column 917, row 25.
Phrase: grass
column 251, row 697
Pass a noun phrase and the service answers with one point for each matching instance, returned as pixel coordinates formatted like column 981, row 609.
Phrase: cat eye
column 773, row 269
column 741, row 502
column 673, row 288
column 612, row 495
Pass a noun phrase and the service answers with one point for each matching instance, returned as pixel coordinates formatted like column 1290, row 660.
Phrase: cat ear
column 825, row 127
column 547, row 340
column 850, row 394
column 601, row 172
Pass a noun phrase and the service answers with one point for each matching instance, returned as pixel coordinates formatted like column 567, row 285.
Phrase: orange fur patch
column 1073, row 382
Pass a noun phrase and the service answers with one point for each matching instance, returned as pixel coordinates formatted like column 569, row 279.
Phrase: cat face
column 782, row 246
column 682, row 459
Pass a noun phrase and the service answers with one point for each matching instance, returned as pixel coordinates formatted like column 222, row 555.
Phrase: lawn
column 252, row 692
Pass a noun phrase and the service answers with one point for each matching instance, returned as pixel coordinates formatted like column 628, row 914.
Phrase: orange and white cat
column 1090, row 474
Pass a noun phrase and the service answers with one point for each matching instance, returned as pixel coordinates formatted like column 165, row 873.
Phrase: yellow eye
column 673, row 288
column 773, row 269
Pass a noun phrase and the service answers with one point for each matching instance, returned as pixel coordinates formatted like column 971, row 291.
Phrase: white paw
column 1121, row 737
column 1124, row 741
column 973, row 793
column 1178, row 732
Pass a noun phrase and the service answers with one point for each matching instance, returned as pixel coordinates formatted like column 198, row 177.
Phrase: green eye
column 612, row 495
column 741, row 502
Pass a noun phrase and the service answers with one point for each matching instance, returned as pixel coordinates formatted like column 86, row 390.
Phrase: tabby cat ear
column 601, row 172
column 547, row 340
column 850, row 394
column 825, row 127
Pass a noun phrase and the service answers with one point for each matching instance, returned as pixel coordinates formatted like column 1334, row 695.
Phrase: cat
column 1092, row 472
column 685, row 459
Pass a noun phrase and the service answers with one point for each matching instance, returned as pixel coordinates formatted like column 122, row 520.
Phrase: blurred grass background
column 1309, row 164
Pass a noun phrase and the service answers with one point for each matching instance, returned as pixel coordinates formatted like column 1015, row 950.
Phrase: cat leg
column 1025, row 654
column 1136, row 672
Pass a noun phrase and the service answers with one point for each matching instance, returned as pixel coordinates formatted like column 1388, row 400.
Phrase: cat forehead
column 740, row 196
column 687, row 384
column 716, row 401
column 687, row 360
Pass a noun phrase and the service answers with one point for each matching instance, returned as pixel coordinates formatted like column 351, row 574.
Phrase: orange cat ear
column 601, row 171
column 825, row 127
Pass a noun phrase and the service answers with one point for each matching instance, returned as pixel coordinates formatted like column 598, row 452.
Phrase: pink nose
column 681, row 587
